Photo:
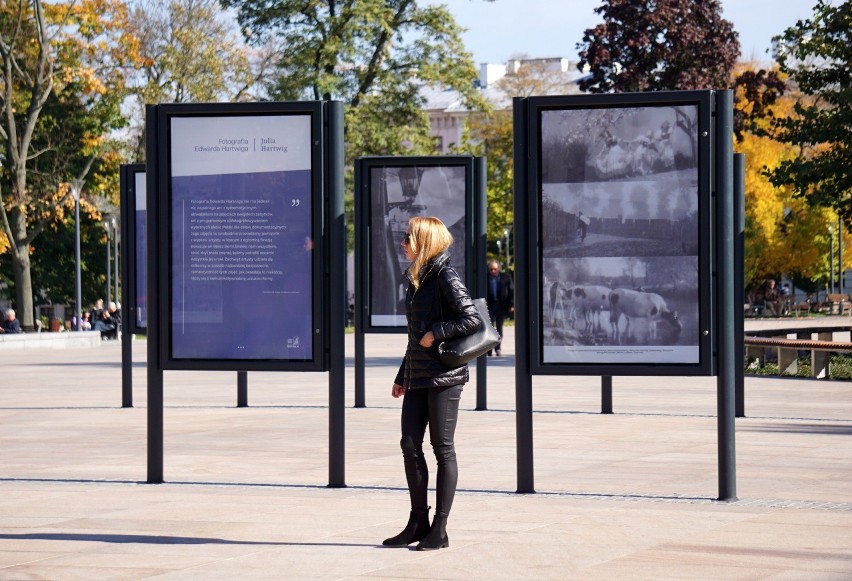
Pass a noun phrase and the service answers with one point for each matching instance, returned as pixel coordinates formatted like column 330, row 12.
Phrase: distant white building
column 447, row 113
column 446, row 116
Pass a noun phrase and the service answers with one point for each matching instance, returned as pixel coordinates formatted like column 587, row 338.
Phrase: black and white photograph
column 396, row 195
column 619, row 211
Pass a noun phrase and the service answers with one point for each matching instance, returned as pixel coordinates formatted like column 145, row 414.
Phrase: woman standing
column 438, row 307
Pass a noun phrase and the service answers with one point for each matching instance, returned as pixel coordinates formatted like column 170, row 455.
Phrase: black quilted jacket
column 441, row 305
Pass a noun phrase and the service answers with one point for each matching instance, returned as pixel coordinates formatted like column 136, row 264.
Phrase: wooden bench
column 801, row 309
column 839, row 304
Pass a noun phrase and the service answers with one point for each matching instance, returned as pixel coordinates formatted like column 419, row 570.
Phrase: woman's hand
column 428, row 339
column 397, row 390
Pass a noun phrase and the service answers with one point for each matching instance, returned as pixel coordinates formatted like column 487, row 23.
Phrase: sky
column 502, row 29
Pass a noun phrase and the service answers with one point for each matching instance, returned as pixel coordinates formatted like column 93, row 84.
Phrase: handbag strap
column 438, row 300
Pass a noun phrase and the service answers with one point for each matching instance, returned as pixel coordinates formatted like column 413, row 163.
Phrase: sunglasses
column 407, row 239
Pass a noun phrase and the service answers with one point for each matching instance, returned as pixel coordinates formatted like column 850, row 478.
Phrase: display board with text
column 242, row 194
column 134, row 242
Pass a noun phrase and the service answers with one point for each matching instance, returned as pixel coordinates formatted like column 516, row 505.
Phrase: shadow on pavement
column 160, row 540
column 274, row 485
column 831, row 429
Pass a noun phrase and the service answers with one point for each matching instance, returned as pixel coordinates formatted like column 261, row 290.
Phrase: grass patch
column 839, row 367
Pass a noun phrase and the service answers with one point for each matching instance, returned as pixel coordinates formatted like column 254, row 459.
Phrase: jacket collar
column 433, row 266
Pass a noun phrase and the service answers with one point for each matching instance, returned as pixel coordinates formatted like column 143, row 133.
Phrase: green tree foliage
column 816, row 54
column 191, row 52
column 373, row 55
column 654, row 45
column 53, row 273
column 490, row 134
column 62, row 85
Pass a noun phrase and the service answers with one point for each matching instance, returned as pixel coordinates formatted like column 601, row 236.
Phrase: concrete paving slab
column 629, row 495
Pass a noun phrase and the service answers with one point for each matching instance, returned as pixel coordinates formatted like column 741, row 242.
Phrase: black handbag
column 456, row 352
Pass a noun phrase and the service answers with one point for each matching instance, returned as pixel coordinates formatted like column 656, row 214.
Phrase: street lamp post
column 108, row 264
column 115, row 255
column 76, row 190
column 840, row 255
column 831, row 256
column 506, row 234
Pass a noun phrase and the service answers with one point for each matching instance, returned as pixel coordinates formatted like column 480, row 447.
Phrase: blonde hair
column 429, row 237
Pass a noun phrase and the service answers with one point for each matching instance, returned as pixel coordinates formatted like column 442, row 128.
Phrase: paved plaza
column 624, row 496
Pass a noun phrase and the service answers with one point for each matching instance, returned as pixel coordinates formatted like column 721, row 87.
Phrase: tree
column 62, row 85
column 755, row 94
column 489, row 133
column 526, row 77
column 373, row 56
column 654, row 45
column 191, row 52
column 783, row 235
column 53, row 272
column 816, row 54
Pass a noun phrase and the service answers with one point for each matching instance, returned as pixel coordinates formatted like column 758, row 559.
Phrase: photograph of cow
column 620, row 301
column 619, row 230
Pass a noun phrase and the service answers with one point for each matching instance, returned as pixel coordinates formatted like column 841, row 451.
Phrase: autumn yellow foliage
column 784, row 235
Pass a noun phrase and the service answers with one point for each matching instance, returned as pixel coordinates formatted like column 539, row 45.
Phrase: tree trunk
column 21, row 267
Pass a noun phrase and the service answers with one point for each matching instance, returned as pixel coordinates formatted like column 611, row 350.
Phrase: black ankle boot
column 437, row 537
column 414, row 531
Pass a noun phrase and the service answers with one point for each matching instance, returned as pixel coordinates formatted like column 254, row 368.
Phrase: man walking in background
column 500, row 297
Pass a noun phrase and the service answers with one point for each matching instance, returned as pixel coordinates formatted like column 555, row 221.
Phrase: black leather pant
column 497, row 318
column 437, row 407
